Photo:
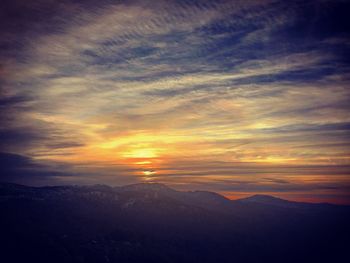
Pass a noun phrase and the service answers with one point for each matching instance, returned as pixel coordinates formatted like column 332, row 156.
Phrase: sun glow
column 141, row 153
column 149, row 173
column 143, row 162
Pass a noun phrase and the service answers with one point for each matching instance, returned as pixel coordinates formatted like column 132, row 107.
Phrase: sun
column 149, row 173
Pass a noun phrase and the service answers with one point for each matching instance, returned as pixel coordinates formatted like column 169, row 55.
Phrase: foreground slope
column 154, row 223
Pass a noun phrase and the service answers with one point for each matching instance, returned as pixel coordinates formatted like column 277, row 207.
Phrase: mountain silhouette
column 151, row 222
column 147, row 187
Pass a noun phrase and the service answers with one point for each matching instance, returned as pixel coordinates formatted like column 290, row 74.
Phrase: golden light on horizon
column 141, row 153
column 149, row 173
column 143, row 162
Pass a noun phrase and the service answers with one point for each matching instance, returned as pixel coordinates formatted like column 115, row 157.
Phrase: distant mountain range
column 153, row 223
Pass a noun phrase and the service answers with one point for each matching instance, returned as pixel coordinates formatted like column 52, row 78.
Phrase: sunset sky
column 236, row 97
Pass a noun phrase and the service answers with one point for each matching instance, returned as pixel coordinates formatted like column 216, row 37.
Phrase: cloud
column 248, row 82
column 22, row 169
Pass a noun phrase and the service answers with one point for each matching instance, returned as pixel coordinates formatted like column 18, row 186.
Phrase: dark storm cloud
column 22, row 169
column 14, row 101
column 42, row 135
column 25, row 170
column 16, row 136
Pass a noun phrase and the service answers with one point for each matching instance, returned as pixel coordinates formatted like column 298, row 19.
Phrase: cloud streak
column 148, row 85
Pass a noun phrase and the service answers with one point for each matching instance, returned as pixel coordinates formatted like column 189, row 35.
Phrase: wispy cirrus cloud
column 149, row 84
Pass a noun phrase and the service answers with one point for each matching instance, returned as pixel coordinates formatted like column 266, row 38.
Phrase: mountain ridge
column 155, row 223
column 159, row 187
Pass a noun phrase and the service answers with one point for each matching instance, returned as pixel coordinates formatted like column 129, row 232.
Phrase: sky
column 236, row 97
